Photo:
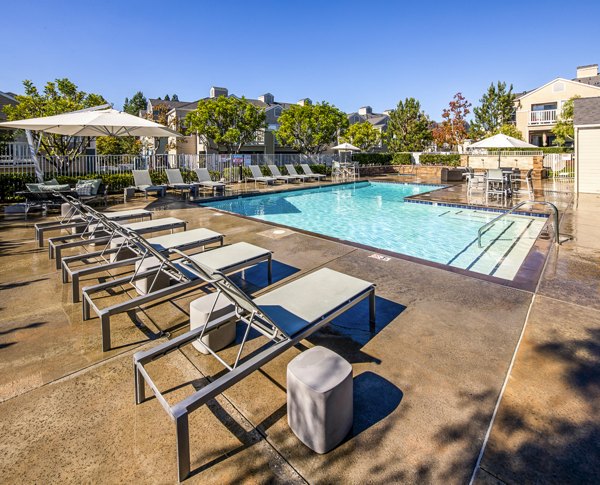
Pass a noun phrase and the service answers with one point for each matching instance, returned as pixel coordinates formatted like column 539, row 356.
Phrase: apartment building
column 378, row 120
column 265, row 141
column 538, row 110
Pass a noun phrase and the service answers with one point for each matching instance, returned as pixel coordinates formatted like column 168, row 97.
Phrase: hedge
column 536, row 149
column 11, row 183
column 451, row 160
column 372, row 158
column 404, row 158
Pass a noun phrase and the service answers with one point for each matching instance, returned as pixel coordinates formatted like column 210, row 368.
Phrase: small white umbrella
column 105, row 122
column 346, row 147
column 501, row 141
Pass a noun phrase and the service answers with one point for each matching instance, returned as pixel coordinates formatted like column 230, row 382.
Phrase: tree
column 60, row 96
column 310, row 128
column 113, row 145
column 496, row 109
column 510, row 130
column 452, row 130
column 167, row 98
column 408, row 127
column 563, row 130
column 228, row 122
column 174, row 98
column 136, row 104
column 362, row 135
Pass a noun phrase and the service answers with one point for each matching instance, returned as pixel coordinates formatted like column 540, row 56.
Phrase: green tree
column 312, row 127
column 408, row 127
column 136, row 104
column 497, row 107
column 563, row 130
column 510, row 130
column 362, row 135
column 60, row 96
column 228, row 122
column 174, row 98
column 167, row 98
column 113, row 145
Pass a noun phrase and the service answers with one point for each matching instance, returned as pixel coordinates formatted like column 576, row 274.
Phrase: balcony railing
column 543, row 117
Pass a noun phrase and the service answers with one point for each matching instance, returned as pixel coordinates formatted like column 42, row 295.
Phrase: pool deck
column 427, row 381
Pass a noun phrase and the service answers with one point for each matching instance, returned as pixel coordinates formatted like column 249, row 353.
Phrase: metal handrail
column 513, row 209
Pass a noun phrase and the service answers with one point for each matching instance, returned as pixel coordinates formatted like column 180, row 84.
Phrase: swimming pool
column 377, row 215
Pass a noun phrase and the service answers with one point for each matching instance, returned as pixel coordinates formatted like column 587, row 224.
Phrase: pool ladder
column 513, row 209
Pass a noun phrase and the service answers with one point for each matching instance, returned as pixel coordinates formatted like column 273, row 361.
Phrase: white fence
column 228, row 166
column 561, row 165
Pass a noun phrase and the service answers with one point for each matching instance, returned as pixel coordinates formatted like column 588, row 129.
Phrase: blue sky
column 346, row 52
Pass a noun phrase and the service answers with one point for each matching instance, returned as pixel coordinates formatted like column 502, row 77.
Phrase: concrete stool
column 124, row 253
column 142, row 285
column 66, row 210
column 219, row 337
column 319, row 398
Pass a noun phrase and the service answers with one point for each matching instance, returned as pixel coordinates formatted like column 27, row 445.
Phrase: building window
column 543, row 107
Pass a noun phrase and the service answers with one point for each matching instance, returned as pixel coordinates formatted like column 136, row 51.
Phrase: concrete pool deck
column 426, row 382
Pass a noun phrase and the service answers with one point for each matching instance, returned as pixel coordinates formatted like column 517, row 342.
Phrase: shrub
column 537, row 149
column 403, row 158
column 10, row 183
column 451, row 160
column 372, row 158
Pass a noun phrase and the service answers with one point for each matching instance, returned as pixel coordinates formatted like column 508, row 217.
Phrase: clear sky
column 350, row 53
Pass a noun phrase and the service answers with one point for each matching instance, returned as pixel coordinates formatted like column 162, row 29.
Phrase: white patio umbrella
column 105, row 122
column 89, row 122
column 345, row 147
column 501, row 141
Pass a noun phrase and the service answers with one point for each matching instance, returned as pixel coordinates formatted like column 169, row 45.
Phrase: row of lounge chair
column 159, row 267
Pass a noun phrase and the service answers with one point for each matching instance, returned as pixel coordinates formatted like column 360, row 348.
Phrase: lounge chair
column 78, row 218
column 183, row 241
column 101, row 234
column 143, row 183
column 285, row 316
column 176, row 181
column 292, row 171
column 204, row 180
column 308, row 171
column 257, row 176
column 277, row 174
column 227, row 259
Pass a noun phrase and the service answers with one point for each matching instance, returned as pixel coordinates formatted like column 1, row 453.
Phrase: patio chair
column 308, row 171
column 285, row 316
column 156, row 266
column 257, row 176
column 523, row 183
column 143, row 183
column 292, row 171
column 176, row 182
column 277, row 174
column 496, row 183
column 77, row 218
column 99, row 262
column 204, row 180
column 101, row 234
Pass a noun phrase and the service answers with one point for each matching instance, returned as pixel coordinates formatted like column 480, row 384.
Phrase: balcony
column 542, row 117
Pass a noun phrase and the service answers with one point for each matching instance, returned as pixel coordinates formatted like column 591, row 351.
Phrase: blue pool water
column 376, row 214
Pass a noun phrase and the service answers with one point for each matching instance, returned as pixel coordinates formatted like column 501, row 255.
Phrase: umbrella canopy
column 501, row 141
column 347, row 147
column 105, row 122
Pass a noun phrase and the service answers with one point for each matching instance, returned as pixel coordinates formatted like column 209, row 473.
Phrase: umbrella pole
column 36, row 163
